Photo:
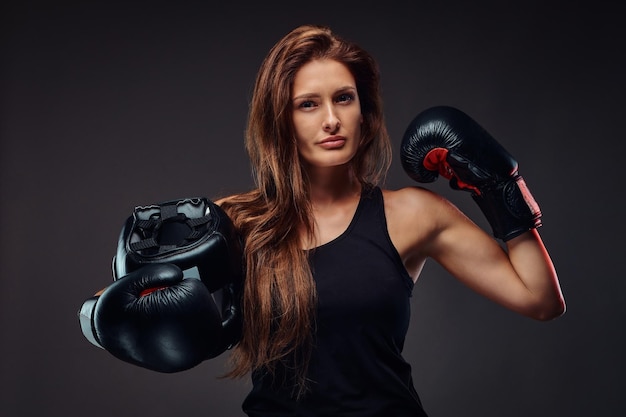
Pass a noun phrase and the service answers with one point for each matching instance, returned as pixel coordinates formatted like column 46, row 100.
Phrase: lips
column 333, row 142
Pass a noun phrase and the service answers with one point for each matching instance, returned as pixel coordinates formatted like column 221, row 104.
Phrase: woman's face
column 326, row 113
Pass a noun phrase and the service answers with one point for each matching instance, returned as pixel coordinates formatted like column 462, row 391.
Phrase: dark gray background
column 105, row 106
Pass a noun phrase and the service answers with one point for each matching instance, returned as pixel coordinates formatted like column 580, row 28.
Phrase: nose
column 331, row 122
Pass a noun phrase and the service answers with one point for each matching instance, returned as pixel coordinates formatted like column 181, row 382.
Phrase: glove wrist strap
column 509, row 208
column 85, row 316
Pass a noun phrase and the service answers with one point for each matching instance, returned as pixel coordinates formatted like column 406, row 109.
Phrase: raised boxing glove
column 445, row 141
column 198, row 238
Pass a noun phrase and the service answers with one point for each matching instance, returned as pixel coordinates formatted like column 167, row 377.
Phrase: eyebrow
column 314, row 95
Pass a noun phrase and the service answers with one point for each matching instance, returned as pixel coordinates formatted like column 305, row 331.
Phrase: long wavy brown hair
column 279, row 297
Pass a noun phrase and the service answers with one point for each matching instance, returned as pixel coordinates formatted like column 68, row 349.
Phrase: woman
column 331, row 258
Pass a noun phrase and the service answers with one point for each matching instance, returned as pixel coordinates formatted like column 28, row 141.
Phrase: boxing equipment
column 175, row 300
column 443, row 140
column 156, row 319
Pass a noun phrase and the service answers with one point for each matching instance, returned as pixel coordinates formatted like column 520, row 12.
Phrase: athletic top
column 356, row 368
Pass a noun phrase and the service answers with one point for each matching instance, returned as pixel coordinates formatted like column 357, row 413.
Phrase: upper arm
column 425, row 225
column 476, row 259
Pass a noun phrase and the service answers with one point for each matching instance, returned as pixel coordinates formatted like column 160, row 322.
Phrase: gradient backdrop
column 106, row 105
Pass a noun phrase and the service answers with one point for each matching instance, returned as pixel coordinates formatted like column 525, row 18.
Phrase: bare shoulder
column 412, row 202
column 415, row 216
column 414, row 195
column 411, row 221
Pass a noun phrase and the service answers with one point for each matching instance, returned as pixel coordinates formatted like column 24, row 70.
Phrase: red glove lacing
column 435, row 160
column 147, row 291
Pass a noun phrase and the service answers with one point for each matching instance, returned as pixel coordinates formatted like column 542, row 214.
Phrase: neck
column 330, row 185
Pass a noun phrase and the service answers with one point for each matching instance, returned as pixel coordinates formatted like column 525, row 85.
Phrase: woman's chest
column 359, row 284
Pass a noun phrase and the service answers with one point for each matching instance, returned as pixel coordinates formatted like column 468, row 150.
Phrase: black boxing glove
column 196, row 236
column 445, row 141
column 155, row 318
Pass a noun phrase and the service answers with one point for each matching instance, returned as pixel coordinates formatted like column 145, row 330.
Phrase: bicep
column 476, row 259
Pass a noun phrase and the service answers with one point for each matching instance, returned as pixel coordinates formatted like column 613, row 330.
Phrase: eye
column 344, row 98
column 307, row 104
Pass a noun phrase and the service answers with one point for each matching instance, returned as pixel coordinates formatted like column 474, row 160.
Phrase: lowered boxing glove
column 156, row 319
column 445, row 141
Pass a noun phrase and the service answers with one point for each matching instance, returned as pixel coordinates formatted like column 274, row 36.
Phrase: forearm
column 535, row 269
